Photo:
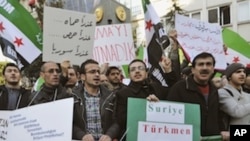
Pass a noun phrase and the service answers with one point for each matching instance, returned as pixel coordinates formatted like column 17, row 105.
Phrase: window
column 243, row 11
column 195, row 15
column 213, row 16
column 219, row 15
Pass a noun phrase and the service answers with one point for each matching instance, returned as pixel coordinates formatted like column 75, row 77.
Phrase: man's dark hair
column 76, row 68
column 89, row 61
column 110, row 69
column 10, row 65
column 202, row 55
column 136, row 60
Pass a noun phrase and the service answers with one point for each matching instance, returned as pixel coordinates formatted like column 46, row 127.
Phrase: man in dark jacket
column 140, row 87
column 93, row 114
column 12, row 96
column 51, row 90
column 198, row 89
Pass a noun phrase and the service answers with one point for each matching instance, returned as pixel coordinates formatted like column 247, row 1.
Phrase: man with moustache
column 198, row 89
column 12, row 96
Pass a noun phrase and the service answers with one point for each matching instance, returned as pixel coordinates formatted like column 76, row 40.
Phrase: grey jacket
column 236, row 106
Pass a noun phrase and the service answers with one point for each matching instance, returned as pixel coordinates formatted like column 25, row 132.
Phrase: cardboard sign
column 197, row 36
column 114, row 44
column 67, row 37
column 164, row 120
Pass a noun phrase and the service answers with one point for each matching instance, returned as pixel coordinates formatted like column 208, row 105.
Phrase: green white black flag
column 21, row 37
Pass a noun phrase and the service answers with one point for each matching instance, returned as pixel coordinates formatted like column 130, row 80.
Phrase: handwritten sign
column 197, row 36
column 114, row 44
column 162, row 120
column 43, row 122
column 68, row 35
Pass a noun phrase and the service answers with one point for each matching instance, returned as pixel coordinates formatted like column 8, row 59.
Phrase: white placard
column 67, row 35
column 197, row 36
column 43, row 122
column 114, row 44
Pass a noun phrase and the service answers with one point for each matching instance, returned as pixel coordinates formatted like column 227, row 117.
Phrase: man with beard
column 198, row 89
column 114, row 77
column 51, row 90
column 12, row 96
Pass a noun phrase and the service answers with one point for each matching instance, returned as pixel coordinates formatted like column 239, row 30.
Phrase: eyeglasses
column 141, row 68
column 51, row 71
column 93, row 71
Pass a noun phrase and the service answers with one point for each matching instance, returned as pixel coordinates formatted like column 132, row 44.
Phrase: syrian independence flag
column 156, row 41
column 238, row 49
column 20, row 35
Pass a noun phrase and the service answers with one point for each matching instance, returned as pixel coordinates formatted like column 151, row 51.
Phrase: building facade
column 232, row 14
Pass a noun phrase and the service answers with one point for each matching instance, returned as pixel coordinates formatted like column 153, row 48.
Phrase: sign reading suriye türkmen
column 164, row 120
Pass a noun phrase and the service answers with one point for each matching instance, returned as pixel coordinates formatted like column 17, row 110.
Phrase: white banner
column 43, row 122
column 197, row 36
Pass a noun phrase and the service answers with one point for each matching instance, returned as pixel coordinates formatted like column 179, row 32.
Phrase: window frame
column 238, row 7
column 220, row 14
column 195, row 12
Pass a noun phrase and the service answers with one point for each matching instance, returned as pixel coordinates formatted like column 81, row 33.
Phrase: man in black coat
column 52, row 89
column 141, row 87
column 12, row 96
column 198, row 89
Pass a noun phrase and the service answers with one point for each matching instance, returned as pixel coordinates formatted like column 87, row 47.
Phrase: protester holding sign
column 94, row 112
column 198, row 89
column 235, row 103
column 12, row 96
column 140, row 87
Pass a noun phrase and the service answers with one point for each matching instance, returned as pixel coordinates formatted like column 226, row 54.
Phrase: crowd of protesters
column 100, row 96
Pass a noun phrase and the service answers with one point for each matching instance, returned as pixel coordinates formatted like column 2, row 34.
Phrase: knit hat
column 232, row 68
